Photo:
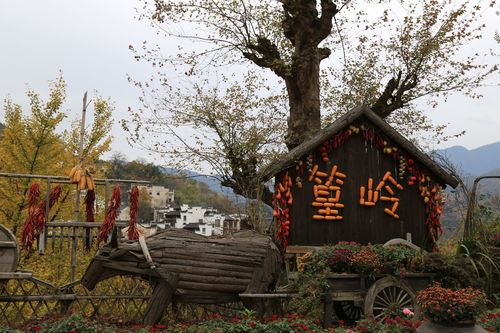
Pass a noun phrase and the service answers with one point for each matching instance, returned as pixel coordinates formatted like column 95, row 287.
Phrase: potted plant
column 451, row 310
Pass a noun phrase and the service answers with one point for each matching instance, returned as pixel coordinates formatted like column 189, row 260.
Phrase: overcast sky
column 88, row 41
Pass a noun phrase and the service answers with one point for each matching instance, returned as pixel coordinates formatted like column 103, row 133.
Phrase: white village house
column 203, row 221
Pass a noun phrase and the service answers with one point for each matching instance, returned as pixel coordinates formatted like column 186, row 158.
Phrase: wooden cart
column 352, row 296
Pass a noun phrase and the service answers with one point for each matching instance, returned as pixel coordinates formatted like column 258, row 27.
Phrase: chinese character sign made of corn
column 383, row 192
column 327, row 193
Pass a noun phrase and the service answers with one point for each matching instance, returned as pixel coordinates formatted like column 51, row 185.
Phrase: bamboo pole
column 43, row 237
column 77, row 199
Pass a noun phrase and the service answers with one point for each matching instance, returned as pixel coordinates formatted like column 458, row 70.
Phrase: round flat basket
column 9, row 251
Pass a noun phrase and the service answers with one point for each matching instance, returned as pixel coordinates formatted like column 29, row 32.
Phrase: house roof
column 192, row 226
column 294, row 155
column 174, row 213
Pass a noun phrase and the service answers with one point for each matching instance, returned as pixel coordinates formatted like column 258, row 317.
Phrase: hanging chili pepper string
column 35, row 222
column 89, row 206
column 28, row 230
column 40, row 216
column 133, row 232
column 111, row 213
column 89, row 215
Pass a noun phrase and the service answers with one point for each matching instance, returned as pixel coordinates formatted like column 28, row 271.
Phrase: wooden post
column 77, row 199
column 74, row 247
column 162, row 295
column 327, row 301
column 106, row 195
column 43, row 236
column 469, row 227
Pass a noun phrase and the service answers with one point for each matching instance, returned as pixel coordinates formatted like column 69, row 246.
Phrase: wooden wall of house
column 359, row 160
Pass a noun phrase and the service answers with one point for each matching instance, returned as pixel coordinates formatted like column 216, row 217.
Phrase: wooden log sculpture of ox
column 184, row 267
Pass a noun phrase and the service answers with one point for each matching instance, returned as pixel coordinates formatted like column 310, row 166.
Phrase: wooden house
column 357, row 180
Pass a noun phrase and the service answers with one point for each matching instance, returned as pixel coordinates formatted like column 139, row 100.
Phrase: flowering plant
column 365, row 261
column 443, row 305
column 388, row 325
column 338, row 260
column 407, row 312
column 491, row 321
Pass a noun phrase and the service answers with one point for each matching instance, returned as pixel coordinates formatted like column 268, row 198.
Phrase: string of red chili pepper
column 34, row 224
column 133, row 232
column 339, row 139
column 89, row 215
column 111, row 213
column 40, row 215
column 89, row 206
column 27, row 236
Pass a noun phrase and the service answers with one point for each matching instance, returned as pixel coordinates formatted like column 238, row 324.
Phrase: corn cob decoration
column 82, row 177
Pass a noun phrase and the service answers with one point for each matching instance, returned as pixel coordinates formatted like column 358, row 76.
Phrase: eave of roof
column 293, row 156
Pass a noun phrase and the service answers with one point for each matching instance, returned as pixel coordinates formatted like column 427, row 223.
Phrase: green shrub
column 72, row 324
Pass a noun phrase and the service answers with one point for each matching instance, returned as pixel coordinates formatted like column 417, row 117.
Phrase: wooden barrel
column 9, row 251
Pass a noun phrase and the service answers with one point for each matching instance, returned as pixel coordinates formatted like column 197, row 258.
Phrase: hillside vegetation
column 187, row 190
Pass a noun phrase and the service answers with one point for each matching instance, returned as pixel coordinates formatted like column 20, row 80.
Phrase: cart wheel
column 347, row 311
column 388, row 297
column 9, row 251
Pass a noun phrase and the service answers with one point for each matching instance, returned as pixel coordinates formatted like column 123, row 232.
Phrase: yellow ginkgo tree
column 34, row 142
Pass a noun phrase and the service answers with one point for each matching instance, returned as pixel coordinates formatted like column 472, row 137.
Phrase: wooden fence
column 121, row 299
column 25, row 297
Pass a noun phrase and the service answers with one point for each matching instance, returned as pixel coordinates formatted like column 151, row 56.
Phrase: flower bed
column 242, row 324
column 491, row 321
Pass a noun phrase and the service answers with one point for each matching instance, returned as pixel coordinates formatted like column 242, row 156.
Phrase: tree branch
column 266, row 54
column 325, row 25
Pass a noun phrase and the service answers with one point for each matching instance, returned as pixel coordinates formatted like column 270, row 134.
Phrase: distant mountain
column 482, row 161
column 477, row 161
column 212, row 182
column 214, row 185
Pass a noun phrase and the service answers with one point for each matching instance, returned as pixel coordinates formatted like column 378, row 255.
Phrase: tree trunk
column 303, row 91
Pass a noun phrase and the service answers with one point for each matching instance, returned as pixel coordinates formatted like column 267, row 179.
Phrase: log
column 207, row 262
column 162, row 296
column 225, row 288
column 213, row 279
column 213, row 271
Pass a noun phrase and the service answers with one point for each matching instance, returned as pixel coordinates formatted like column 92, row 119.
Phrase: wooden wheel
column 347, row 311
column 9, row 251
column 388, row 297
